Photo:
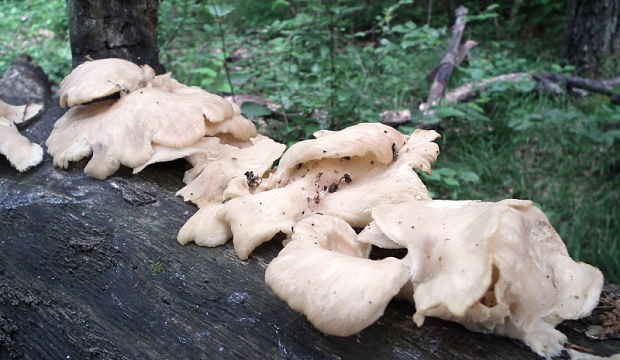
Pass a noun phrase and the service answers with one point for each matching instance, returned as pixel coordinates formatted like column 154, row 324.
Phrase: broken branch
column 441, row 74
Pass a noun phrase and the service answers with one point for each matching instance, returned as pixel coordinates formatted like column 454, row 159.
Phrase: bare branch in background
column 441, row 74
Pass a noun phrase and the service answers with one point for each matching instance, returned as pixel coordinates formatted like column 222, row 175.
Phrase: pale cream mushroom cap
column 497, row 267
column 257, row 218
column 238, row 127
column 228, row 139
column 324, row 273
column 207, row 149
column 350, row 186
column 18, row 113
column 204, row 228
column 373, row 139
column 373, row 235
column 123, row 131
column 209, row 185
column 100, row 78
column 20, row 152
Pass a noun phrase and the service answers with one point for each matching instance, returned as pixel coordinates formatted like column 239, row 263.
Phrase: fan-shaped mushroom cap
column 208, row 149
column 350, row 186
column 497, row 267
column 204, row 228
column 20, row 152
column 325, row 274
column 100, row 78
column 238, row 127
column 18, row 113
column 373, row 235
column 250, row 219
column 123, row 131
column 376, row 140
column 209, row 186
column 257, row 218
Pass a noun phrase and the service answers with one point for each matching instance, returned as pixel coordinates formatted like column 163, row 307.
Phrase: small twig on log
column 441, row 74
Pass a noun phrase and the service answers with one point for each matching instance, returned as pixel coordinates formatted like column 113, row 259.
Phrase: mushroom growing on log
column 154, row 113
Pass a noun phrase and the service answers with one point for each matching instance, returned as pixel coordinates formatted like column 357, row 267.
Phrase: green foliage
column 38, row 28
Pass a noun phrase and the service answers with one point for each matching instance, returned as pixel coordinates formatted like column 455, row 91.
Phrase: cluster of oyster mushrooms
column 155, row 118
column 21, row 153
column 493, row 267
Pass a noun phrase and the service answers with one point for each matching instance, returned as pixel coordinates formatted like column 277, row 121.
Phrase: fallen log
column 91, row 269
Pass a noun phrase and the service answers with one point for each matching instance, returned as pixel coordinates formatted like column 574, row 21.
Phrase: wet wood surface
column 91, row 270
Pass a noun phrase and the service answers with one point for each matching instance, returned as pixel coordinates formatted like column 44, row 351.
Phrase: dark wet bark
column 24, row 82
column 593, row 34
column 125, row 29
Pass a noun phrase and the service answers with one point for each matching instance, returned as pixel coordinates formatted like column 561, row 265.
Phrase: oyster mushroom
column 250, row 220
column 100, row 78
column 207, row 149
column 19, row 113
column 328, row 178
column 162, row 113
column 493, row 267
column 324, row 273
column 347, row 173
column 208, row 187
column 20, row 152
column 257, row 218
column 204, row 229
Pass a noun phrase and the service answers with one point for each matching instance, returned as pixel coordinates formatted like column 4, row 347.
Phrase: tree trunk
column 125, row 29
column 593, row 34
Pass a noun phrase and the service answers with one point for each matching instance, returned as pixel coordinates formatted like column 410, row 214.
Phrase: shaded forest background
column 327, row 65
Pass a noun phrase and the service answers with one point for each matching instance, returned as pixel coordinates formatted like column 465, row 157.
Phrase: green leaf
column 433, row 176
column 252, row 109
column 220, row 10
column 311, row 128
column 278, row 3
column 224, row 87
column 239, row 78
column 444, row 112
column 406, row 129
column 205, row 71
column 468, row 176
column 446, row 172
column 451, row 182
column 206, row 82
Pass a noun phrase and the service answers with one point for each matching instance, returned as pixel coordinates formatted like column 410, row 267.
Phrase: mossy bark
column 125, row 29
